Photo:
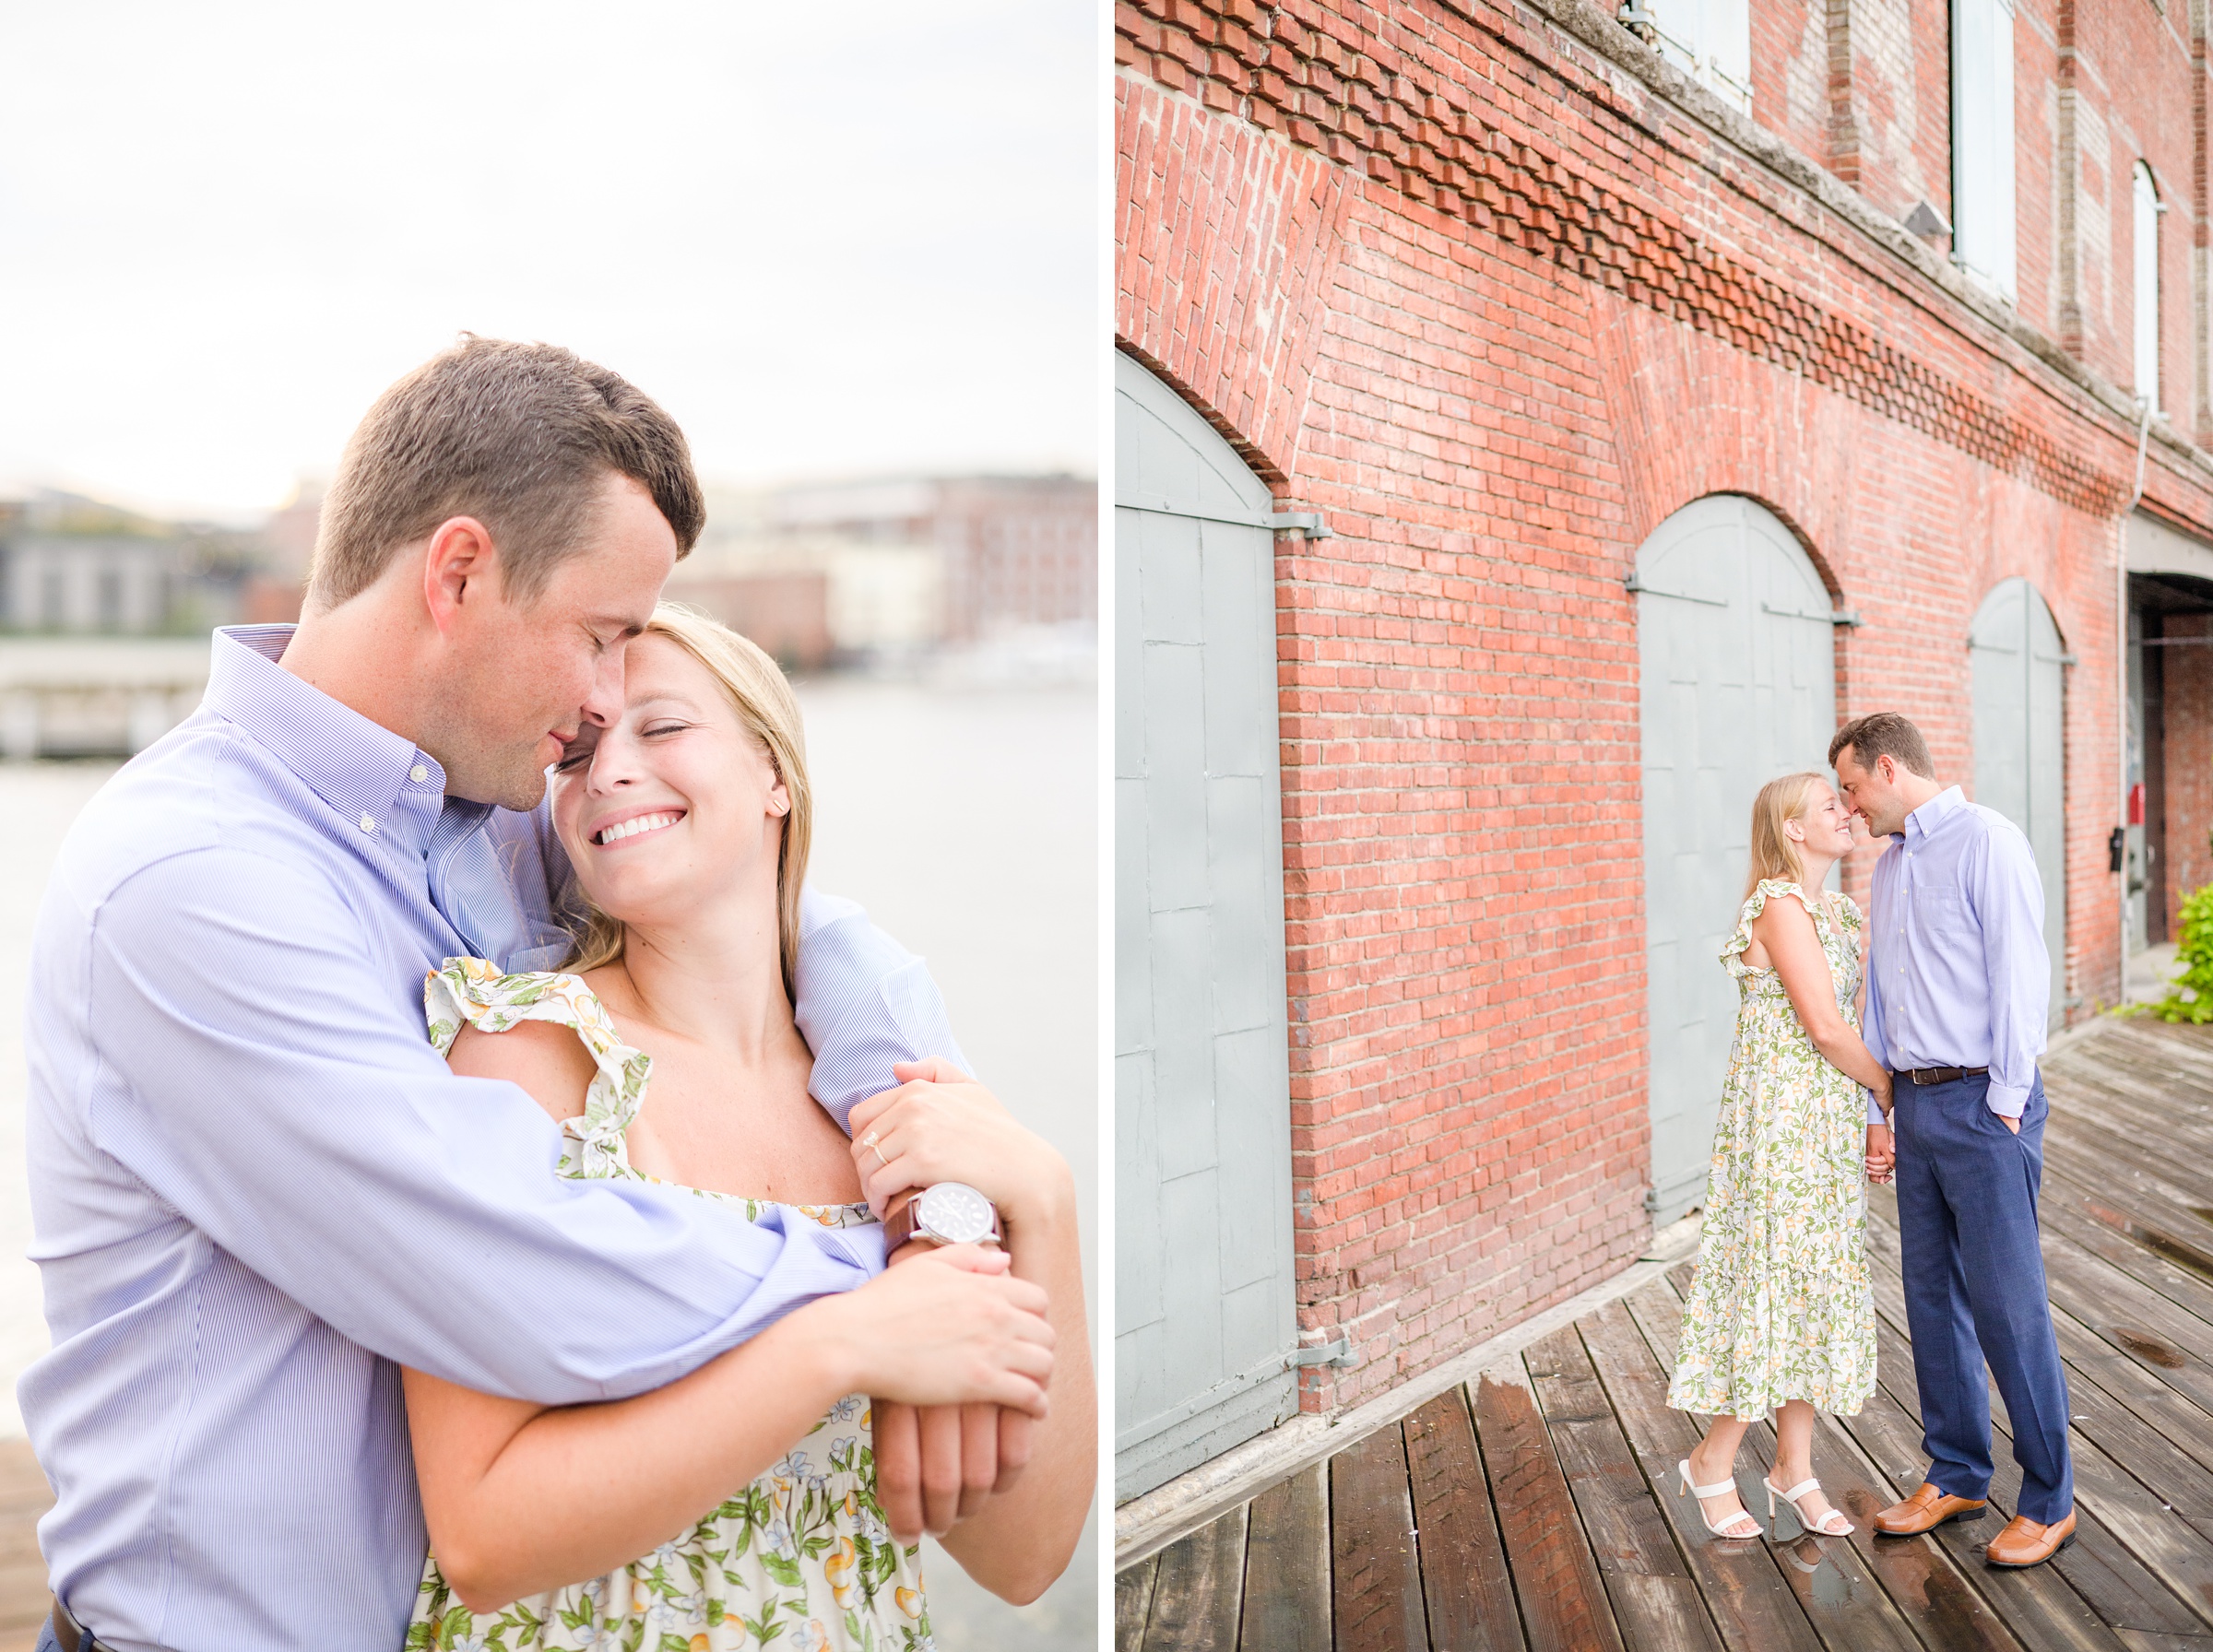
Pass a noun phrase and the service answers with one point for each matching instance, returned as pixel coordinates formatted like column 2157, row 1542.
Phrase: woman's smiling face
column 1827, row 822
column 677, row 801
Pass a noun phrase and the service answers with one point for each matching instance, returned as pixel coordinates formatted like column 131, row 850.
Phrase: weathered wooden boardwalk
column 1536, row 1508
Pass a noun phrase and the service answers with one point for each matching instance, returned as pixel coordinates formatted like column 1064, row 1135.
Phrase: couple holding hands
column 465, row 1155
column 1913, row 1060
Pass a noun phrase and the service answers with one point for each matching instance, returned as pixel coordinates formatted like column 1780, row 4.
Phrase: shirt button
column 419, row 773
column 368, row 824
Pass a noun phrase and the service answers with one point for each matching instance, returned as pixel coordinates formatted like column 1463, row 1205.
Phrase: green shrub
column 2191, row 998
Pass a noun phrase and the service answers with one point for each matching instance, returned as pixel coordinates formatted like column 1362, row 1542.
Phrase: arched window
column 2147, row 210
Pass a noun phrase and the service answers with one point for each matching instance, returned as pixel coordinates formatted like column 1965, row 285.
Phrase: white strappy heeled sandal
column 1702, row 1492
column 1821, row 1527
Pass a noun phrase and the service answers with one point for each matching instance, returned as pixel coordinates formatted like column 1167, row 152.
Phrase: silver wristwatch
column 948, row 1214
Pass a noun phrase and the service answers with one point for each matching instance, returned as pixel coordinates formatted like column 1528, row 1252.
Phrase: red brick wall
column 1496, row 308
column 1790, row 74
column 2187, row 695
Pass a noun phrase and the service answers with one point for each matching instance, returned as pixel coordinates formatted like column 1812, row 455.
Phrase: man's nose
column 603, row 706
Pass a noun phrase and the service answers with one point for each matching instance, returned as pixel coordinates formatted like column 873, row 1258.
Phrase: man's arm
column 2008, row 898
column 1871, row 982
column 258, row 1077
column 864, row 1003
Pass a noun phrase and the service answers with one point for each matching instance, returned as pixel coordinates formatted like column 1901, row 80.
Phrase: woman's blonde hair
column 1779, row 802
column 770, row 712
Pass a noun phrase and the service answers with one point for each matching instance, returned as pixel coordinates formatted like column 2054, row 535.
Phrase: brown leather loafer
column 1925, row 1511
column 2025, row 1543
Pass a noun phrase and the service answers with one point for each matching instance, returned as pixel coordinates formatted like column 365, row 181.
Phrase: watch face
column 955, row 1212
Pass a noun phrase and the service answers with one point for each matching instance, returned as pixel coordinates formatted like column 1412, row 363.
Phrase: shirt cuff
column 1874, row 1110
column 2008, row 1101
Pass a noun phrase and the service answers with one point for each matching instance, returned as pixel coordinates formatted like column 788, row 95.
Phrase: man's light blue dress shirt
column 1957, row 971
column 254, row 1184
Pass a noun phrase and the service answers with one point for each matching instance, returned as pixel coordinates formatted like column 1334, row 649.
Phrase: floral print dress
column 1780, row 1307
column 802, row 1557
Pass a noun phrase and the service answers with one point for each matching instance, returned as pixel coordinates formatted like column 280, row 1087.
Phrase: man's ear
column 459, row 563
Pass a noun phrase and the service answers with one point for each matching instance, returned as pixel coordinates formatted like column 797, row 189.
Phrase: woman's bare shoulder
column 1785, row 903
column 546, row 1059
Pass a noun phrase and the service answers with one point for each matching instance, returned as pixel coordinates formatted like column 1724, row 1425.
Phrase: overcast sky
column 830, row 238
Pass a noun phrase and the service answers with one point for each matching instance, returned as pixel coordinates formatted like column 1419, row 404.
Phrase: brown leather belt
column 1920, row 1074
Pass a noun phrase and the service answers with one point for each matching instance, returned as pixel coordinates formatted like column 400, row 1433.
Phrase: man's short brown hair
column 519, row 436
column 1884, row 733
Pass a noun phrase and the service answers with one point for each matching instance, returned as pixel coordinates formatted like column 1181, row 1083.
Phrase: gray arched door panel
column 1737, row 665
column 1204, row 1296
column 2020, row 666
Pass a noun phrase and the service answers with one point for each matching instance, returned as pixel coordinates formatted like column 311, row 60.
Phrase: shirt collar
column 377, row 781
column 1932, row 814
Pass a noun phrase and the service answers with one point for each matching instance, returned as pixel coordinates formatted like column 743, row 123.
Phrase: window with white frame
column 2146, row 272
column 1708, row 40
column 1983, row 203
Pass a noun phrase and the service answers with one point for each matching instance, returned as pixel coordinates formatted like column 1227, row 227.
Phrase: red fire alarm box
column 2136, row 804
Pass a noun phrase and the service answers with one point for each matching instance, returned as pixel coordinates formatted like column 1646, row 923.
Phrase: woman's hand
column 953, row 1327
column 941, row 1125
column 1882, row 1154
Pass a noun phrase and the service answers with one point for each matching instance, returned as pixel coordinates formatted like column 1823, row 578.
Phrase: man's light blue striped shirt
column 1957, row 971
column 256, row 1185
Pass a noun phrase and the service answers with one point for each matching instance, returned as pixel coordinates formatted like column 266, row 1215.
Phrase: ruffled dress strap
column 1733, row 951
column 474, row 991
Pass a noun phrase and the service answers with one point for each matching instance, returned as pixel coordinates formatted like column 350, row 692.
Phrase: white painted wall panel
column 1738, row 671
column 1203, row 1286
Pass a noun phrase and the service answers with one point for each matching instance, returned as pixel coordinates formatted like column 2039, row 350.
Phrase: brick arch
column 1229, row 306
column 1266, row 469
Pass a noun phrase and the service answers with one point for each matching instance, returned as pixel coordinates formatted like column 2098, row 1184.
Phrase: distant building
column 785, row 610
column 907, row 564
column 73, row 566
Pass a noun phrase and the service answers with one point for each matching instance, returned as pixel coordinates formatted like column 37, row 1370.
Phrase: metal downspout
column 2121, row 697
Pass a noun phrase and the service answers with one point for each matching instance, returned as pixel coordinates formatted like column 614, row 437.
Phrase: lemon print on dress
column 840, row 1568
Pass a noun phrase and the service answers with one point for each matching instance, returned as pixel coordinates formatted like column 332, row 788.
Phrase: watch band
column 901, row 1226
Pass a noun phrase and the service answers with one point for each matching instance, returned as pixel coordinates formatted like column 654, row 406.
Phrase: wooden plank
column 2107, row 1116
column 2040, row 1606
column 2152, row 1177
column 1464, row 1580
column 2121, row 1310
column 1564, row 1606
column 2179, row 1423
column 2118, row 1586
column 1376, row 1571
column 1288, row 1566
column 2157, row 1073
column 1752, row 1606
column 2101, row 1224
column 2179, row 1292
column 2109, row 1417
column 1133, row 1603
column 1195, row 1592
column 2109, row 1155
column 1654, row 1600
column 2138, row 1507
column 1859, row 1591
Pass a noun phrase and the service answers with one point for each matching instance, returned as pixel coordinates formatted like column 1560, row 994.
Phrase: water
column 965, row 820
